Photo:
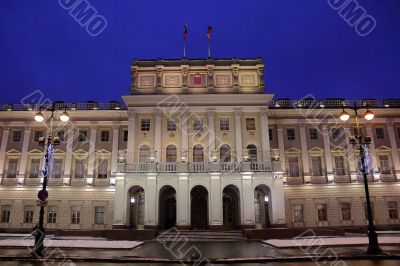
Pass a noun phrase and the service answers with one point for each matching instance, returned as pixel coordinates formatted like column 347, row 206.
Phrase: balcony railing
column 308, row 103
column 90, row 105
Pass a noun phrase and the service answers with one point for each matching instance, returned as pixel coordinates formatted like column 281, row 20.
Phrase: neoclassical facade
column 198, row 144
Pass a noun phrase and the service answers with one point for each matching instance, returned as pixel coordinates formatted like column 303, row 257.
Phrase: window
column 225, row 153
column 35, row 164
column 57, row 168
column 392, row 207
column 61, row 135
column 313, row 133
column 257, row 208
column 102, row 168
column 384, row 164
column 298, row 213
column 28, row 214
column 293, row 166
column 5, row 213
column 38, row 134
column 82, row 137
column 104, row 136
column 75, row 215
column 140, row 210
column 339, row 165
column 366, row 212
column 171, row 154
column 171, row 125
column 125, row 135
column 80, row 169
column 51, row 215
column 198, row 154
column 250, row 124
column 322, row 212
column 291, row 134
column 99, row 215
column 252, row 152
column 145, row 124
column 316, row 166
column 335, row 133
column 224, row 123
column 16, row 137
column 144, row 154
column 270, row 133
column 346, row 211
column 380, row 133
column 12, row 168
column 356, row 131
column 198, row 124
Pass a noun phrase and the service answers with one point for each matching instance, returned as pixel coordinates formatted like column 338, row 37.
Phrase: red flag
column 209, row 32
column 185, row 32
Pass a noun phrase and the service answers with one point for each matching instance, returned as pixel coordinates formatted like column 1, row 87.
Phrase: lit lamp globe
column 39, row 117
column 64, row 117
column 369, row 115
column 344, row 116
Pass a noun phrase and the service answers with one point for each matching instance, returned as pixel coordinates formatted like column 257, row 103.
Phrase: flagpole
column 209, row 49
column 184, row 48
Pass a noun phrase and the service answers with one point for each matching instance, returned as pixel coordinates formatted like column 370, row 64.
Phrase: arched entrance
column 262, row 209
column 199, row 208
column 230, row 207
column 167, row 207
column 136, row 207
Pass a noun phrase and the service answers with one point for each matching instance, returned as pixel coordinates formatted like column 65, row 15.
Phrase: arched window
column 144, row 154
column 198, row 153
column 225, row 153
column 252, row 152
column 171, row 154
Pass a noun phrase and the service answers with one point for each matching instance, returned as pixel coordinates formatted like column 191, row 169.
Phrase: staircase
column 199, row 235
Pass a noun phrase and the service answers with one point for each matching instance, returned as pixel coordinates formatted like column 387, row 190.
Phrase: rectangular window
column 224, row 123
column 335, row 133
column 145, row 124
column 313, row 133
column 316, row 165
column 380, row 133
column 80, row 169
column 339, row 165
column 392, row 208
column 104, row 135
column 250, row 123
column 291, row 134
column 38, row 134
column 293, row 166
column 28, row 214
column 171, row 125
column 16, row 136
column 270, row 133
column 125, row 135
column 298, row 213
column 35, row 164
column 346, row 211
column 102, row 168
column 82, row 137
column 51, row 215
column 75, row 215
column 384, row 164
column 198, row 124
column 57, row 168
column 12, row 168
column 322, row 212
column 366, row 212
column 5, row 213
column 99, row 215
column 61, row 135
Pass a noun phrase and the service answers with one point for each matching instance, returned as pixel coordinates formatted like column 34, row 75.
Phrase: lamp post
column 362, row 142
column 48, row 146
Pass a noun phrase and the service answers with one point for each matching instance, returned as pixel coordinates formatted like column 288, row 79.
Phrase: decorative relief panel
column 147, row 81
column 248, row 79
column 198, row 80
column 173, row 80
column 223, row 79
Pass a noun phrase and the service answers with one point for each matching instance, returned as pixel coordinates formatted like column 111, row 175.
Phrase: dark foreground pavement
column 233, row 253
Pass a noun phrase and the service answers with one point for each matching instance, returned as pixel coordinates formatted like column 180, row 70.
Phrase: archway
column 199, row 208
column 230, row 207
column 167, row 207
column 262, row 206
column 136, row 207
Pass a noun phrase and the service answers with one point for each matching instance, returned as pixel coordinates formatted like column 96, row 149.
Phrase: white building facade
column 199, row 145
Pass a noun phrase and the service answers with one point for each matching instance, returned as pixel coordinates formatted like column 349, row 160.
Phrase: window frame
column 224, row 124
column 75, row 214
column 145, row 124
column 291, row 136
column 250, row 126
column 16, row 132
column 380, row 133
column 102, row 215
column 52, row 215
column 313, row 133
column 104, row 135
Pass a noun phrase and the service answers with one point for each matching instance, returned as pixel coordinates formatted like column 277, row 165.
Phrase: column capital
column 115, row 127
column 211, row 114
column 27, row 128
column 157, row 113
column 325, row 125
column 185, row 70
column 301, row 124
column 184, row 115
column 368, row 125
column 159, row 69
column 264, row 112
column 132, row 113
column 279, row 124
column 237, row 113
column 6, row 128
column 390, row 122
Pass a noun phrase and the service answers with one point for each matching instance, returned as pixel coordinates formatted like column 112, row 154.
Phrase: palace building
column 199, row 144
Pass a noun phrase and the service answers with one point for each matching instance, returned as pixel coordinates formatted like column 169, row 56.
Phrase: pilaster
column 3, row 147
column 238, row 135
column 265, row 136
column 394, row 149
column 304, row 153
column 157, row 134
column 24, row 153
column 130, row 153
column 327, row 153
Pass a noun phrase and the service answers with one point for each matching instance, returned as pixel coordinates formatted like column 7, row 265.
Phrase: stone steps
column 200, row 235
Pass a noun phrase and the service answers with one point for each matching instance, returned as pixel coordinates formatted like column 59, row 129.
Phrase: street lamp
column 362, row 142
column 39, row 232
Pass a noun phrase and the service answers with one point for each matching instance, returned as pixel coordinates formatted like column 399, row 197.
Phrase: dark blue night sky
column 306, row 46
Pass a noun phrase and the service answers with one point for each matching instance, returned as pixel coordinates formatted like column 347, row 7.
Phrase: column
column 185, row 133
column 278, row 203
column 328, row 154
column 24, row 153
column 210, row 78
column 3, row 148
column 281, row 145
column 151, row 196
column 394, row 150
column 372, row 151
column 211, row 134
column 157, row 134
column 238, row 135
column 247, row 206
column 130, row 153
column 92, row 151
column 68, row 153
column 216, row 220
column 351, row 157
column 120, row 202
column 265, row 136
column 182, row 202
column 304, row 153
column 114, row 151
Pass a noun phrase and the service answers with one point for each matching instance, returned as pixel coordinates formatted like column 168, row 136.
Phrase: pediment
column 292, row 150
column 13, row 151
column 316, row 150
column 35, row 152
column 383, row 148
column 103, row 151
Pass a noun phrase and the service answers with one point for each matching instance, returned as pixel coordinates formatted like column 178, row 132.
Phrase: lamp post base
column 373, row 245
